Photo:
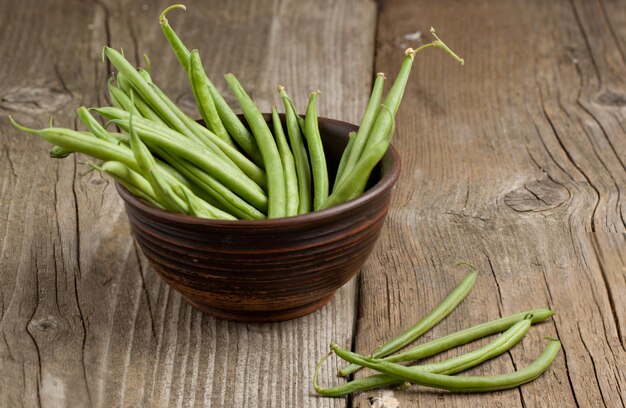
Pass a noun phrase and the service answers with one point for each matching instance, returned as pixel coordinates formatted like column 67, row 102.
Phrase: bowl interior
column 334, row 135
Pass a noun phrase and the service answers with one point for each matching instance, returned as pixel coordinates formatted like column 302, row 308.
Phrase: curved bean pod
column 204, row 100
column 436, row 315
column 460, row 383
column 230, row 120
column 454, row 365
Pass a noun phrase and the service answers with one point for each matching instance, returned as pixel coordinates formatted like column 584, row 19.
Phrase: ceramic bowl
column 267, row 270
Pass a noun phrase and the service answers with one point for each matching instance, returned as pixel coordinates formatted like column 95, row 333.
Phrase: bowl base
column 260, row 316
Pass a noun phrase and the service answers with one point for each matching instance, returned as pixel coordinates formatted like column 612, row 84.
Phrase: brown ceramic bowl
column 267, row 270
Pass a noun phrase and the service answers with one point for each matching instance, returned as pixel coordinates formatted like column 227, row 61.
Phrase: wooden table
column 514, row 162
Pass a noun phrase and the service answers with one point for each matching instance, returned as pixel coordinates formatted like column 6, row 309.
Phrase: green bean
column 224, row 198
column 316, row 153
column 204, row 100
column 289, row 168
column 77, row 142
column 184, row 124
column 131, row 180
column 122, row 82
column 120, row 100
column 232, row 179
column 230, row 120
column 228, row 156
column 301, row 157
column 460, row 383
column 344, row 157
column 269, row 151
column 394, row 97
column 454, row 365
column 90, row 145
column 58, row 152
column 364, row 127
column 459, row 338
column 144, row 89
column 436, row 315
column 215, row 153
column 181, row 51
column 245, row 188
column 354, row 183
column 94, row 126
column 200, row 133
column 200, row 208
column 148, row 169
column 288, row 100
column 145, row 110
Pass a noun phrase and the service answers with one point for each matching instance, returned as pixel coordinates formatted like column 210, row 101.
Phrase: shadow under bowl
column 267, row 270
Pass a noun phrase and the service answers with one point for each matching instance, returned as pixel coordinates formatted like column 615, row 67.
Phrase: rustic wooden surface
column 514, row 162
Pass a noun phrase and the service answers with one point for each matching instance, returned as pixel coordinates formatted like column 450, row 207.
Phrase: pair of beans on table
column 440, row 374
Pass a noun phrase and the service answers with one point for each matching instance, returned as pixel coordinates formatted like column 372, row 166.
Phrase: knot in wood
column 610, row 98
column 45, row 324
column 537, row 195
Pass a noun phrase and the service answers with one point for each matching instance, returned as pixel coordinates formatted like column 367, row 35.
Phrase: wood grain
column 515, row 163
column 84, row 320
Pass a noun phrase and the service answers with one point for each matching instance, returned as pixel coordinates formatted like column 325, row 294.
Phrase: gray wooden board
column 84, row 320
column 514, row 162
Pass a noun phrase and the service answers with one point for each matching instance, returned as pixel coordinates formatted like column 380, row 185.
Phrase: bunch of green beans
column 227, row 167
column 441, row 374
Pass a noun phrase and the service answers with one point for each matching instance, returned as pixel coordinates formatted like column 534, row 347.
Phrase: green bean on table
column 426, row 323
column 458, row 383
column 450, row 366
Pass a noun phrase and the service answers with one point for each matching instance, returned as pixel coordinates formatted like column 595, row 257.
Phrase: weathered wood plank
column 515, row 163
column 84, row 320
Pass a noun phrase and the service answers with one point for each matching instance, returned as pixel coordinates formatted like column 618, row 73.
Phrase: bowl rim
column 389, row 178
